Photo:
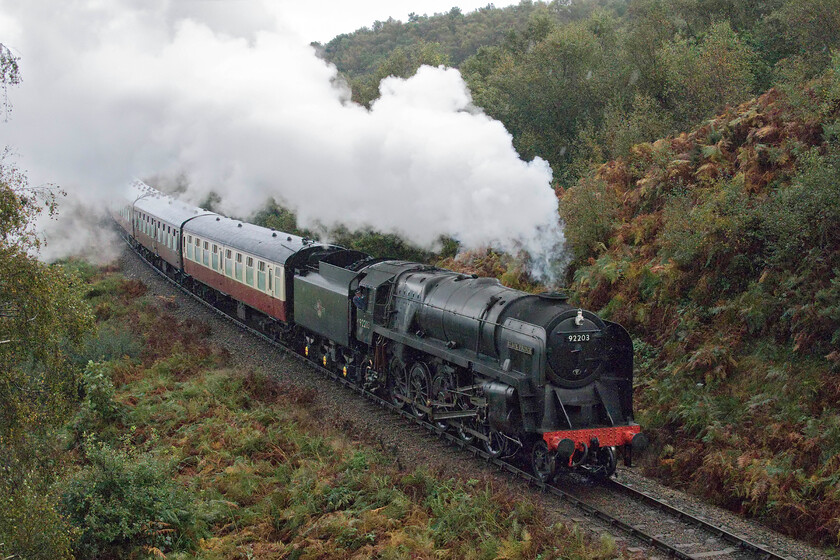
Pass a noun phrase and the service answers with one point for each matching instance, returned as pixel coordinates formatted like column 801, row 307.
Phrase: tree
column 41, row 313
column 403, row 62
column 703, row 77
column 9, row 74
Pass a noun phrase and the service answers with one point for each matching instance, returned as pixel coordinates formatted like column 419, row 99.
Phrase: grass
column 265, row 476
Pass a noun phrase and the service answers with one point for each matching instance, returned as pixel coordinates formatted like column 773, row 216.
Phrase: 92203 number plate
column 577, row 337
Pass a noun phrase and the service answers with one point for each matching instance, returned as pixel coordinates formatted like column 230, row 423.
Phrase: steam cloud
column 123, row 89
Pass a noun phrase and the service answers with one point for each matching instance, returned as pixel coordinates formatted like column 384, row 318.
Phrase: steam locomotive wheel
column 398, row 384
column 466, row 423
column 606, row 462
column 419, row 388
column 444, row 397
column 466, row 436
column 542, row 462
column 496, row 443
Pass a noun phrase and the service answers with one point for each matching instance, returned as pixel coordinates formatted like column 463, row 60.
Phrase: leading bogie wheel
column 543, row 462
column 606, row 462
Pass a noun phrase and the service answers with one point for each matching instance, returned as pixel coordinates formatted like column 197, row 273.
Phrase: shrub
column 30, row 525
column 124, row 501
column 98, row 411
column 644, row 121
column 589, row 211
column 806, row 214
column 109, row 343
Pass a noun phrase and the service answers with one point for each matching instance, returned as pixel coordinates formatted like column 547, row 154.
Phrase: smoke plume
column 232, row 98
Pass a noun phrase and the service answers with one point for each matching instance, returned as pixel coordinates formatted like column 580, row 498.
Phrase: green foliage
column 278, row 217
column 380, row 244
column 805, row 215
column 723, row 261
column 109, row 343
column 460, row 35
column 124, row 501
column 644, row 120
column 590, row 211
column 801, row 33
column 704, row 76
column 30, row 525
column 547, row 91
column 99, row 413
column 41, row 315
column 402, row 62
column 367, row 240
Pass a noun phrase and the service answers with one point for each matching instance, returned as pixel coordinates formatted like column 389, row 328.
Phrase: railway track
column 685, row 541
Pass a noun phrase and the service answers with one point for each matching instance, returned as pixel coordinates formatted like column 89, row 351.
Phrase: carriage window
column 261, row 275
column 227, row 254
column 206, row 245
column 238, row 267
column 249, row 271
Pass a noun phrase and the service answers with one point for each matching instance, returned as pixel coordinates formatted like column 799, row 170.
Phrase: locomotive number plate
column 578, row 338
column 520, row 347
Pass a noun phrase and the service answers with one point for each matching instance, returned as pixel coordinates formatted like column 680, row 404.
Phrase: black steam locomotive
column 509, row 371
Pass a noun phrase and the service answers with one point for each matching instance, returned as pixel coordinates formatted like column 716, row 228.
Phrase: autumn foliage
column 719, row 249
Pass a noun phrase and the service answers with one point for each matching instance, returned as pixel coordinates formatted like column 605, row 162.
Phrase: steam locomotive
column 512, row 372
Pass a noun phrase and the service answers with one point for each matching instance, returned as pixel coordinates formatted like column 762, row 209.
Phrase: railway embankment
column 719, row 250
column 213, row 444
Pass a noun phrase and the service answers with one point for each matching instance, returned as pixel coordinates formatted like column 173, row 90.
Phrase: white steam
column 123, row 89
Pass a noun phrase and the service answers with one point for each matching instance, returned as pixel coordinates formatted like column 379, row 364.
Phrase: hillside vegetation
column 168, row 451
column 719, row 250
